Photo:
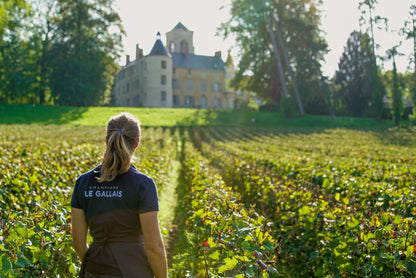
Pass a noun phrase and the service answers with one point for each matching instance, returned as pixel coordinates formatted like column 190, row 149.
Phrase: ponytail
column 123, row 133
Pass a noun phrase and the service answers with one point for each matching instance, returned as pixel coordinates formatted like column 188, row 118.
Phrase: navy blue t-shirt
column 130, row 190
column 112, row 211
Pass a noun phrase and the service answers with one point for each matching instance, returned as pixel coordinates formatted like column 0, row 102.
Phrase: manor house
column 176, row 77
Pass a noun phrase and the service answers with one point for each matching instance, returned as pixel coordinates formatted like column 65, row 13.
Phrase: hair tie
column 119, row 130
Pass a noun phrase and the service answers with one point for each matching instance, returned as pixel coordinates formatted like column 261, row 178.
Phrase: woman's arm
column 79, row 232
column 153, row 242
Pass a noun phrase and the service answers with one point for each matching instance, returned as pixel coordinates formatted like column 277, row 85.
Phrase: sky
column 143, row 19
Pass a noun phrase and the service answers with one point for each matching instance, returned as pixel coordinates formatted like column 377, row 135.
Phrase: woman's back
column 113, row 201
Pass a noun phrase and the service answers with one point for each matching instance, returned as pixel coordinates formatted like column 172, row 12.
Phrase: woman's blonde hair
column 122, row 134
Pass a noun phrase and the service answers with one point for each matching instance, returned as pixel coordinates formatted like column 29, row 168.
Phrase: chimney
column 127, row 59
column 139, row 52
column 218, row 54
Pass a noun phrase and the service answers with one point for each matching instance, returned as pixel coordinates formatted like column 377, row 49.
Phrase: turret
column 181, row 40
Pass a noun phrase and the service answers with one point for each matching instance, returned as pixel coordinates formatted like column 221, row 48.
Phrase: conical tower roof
column 158, row 47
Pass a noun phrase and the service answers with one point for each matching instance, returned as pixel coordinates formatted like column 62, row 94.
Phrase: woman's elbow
column 155, row 247
column 80, row 247
column 76, row 244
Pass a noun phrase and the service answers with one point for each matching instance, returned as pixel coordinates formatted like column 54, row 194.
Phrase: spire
column 158, row 47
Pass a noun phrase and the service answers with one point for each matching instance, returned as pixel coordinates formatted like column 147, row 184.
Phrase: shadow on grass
column 274, row 120
column 239, row 118
column 38, row 114
column 403, row 137
column 199, row 117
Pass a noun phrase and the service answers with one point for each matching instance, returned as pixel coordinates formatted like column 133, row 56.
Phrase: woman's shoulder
column 91, row 173
column 137, row 174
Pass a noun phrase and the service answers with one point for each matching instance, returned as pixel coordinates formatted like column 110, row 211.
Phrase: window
column 176, row 100
column 163, row 65
column 136, row 101
column 163, row 80
column 203, row 102
column 128, row 87
column 203, row 74
column 203, row 86
column 230, row 103
column 175, row 84
column 137, row 83
column 189, row 85
column 215, row 87
column 217, row 103
column 189, row 101
column 163, row 97
column 189, row 72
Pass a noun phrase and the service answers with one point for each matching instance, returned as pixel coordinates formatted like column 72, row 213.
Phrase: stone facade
column 176, row 77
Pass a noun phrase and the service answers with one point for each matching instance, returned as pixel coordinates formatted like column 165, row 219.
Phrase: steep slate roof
column 197, row 61
column 159, row 48
column 180, row 26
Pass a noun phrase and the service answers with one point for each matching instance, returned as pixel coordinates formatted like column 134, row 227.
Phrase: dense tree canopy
column 84, row 52
column 59, row 51
column 15, row 74
column 397, row 97
column 298, row 22
column 354, row 69
column 369, row 18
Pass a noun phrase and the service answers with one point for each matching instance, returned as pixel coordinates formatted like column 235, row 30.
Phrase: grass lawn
column 168, row 117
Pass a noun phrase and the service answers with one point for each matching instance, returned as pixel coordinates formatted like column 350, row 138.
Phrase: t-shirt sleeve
column 148, row 199
column 76, row 201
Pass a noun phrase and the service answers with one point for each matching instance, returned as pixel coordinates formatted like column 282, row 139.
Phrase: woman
column 119, row 206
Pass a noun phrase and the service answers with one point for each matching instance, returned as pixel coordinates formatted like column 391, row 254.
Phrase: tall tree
column 377, row 89
column 275, row 28
column 409, row 30
column 353, row 73
column 298, row 22
column 397, row 98
column 85, row 51
column 15, row 72
column 43, row 26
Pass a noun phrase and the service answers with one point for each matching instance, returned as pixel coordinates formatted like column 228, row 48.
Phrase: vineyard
column 251, row 202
